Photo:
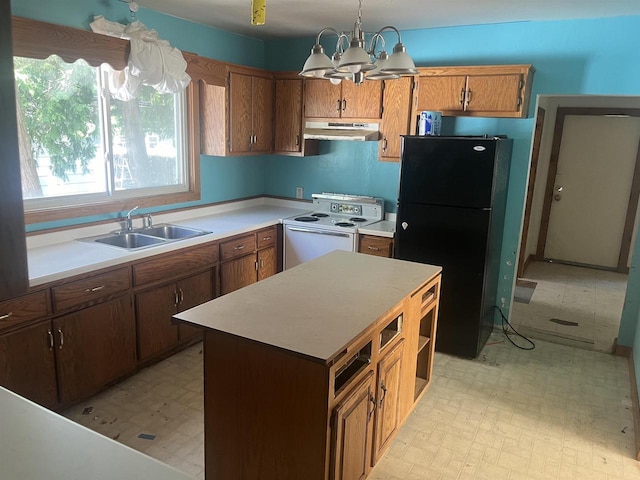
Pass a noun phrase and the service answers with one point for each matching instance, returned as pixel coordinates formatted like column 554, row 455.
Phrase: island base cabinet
column 94, row 347
column 27, row 364
column 353, row 431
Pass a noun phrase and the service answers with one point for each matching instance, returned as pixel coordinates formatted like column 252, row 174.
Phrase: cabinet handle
column 298, row 140
column 181, row 295
column 375, row 249
column 94, row 289
column 61, row 339
column 239, row 247
column 5, row 316
column 176, row 299
column 384, row 144
column 469, row 92
column 344, row 104
column 462, row 96
column 255, row 264
column 338, row 107
column 264, row 239
column 373, row 405
column 383, row 387
column 50, row 339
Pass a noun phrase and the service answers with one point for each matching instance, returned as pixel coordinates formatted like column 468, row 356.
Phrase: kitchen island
column 309, row 373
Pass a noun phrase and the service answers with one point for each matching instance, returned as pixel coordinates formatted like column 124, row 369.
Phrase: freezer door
column 447, row 171
column 456, row 239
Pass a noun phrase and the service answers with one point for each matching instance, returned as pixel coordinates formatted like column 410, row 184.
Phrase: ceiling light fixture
column 356, row 63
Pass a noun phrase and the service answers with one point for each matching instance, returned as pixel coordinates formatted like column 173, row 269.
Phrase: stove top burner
column 320, row 215
column 358, row 219
column 345, row 224
column 306, row 219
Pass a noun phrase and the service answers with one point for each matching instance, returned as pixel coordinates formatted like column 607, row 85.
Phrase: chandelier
column 356, row 63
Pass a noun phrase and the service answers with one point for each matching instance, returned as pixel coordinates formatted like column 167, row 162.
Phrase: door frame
column 533, row 170
column 562, row 112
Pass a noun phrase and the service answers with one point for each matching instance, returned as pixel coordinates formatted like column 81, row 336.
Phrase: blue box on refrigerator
column 430, row 123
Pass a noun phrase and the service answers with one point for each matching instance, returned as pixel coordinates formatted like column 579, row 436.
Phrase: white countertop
column 37, row 444
column 317, row 308
column 384, row 228
column 59, row 255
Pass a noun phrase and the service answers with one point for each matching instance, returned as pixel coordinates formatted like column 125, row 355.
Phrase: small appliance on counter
column 451, row 208
column 332, row 225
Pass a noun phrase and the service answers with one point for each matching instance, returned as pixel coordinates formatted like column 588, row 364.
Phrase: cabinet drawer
column 267, row 237
column 380, row 246
column 237, row 247
column 90, row 289
column 175, row 263
column 23, row 309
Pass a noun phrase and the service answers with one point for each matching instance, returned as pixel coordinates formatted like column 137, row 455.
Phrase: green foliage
column 60, row 106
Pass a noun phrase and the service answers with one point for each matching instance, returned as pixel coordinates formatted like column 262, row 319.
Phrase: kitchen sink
column 146, row 237
column 171, row 232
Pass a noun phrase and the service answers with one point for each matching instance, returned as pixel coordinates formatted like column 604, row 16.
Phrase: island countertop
column 316, row 308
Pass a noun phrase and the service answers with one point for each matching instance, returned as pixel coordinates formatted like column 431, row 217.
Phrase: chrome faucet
column 128, row 223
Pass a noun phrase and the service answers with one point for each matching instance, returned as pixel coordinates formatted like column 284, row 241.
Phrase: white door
column 591, row 191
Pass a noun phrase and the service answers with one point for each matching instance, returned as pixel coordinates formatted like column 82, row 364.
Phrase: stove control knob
column 404, row 225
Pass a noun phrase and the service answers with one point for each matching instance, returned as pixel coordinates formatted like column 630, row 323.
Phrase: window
column 79, row 145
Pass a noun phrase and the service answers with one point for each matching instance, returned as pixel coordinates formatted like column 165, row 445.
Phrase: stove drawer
column 238, row 247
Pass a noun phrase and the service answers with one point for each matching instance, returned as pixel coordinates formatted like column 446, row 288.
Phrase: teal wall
column 222, row 178
column 596, row 56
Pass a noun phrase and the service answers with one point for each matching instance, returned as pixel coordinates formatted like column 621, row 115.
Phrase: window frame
column 35, row 39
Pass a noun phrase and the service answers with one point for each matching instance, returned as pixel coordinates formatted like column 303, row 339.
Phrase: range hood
column 342, row 131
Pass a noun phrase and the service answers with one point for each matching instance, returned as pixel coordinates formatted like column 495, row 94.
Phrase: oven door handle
column 318, row 232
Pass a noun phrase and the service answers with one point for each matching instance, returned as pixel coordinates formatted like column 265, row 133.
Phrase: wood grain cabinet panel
column 27, row 363
column 374, row 245
column 493, row 93
column 237, row 273
column 154, row 310
column 22, row 310
column 193, row 291
column 361, row 101
column 267, row 263
column 262, row 118
column 94, row 346
column 288, row 116
column 442, row 93
column 241, row 130
column 396, row 117
column 175, row 264
column 322, row 99
column 90, row 290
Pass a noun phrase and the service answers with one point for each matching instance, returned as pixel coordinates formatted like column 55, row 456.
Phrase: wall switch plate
column 299, row 192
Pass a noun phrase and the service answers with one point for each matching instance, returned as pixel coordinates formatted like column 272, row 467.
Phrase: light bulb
column 335, row 81
column 133, row 7
column 354, row 68
column 318, row 73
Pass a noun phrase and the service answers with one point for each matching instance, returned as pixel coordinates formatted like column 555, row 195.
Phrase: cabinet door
column 351, row 442
column 387, row 414
column 237, row 273
column 262, row 114
column 396, row 116
column 94, row 347
column 361, row 101
column 240, row 121
column 322, row 99
column 493, row 93
column 288, row 116
column 441, row 93
column 193, row 291
column 27, row 364
column 156, row 331
column 267, row 263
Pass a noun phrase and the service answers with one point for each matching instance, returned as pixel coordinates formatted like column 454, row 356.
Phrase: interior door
column 591, row 191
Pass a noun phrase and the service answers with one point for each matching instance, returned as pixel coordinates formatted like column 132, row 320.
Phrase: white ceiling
column 297, row 18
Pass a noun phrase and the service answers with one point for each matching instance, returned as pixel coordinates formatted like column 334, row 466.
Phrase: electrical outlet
column 503, row 302
column 299, row 192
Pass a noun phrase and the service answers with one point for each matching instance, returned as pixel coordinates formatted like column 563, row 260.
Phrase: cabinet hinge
column 518, row 102
column 521, row 84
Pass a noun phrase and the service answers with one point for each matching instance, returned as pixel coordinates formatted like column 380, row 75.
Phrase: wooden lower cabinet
column 375, row 245
column 237, row 273
column 27, row 363
column 267, row 263
column 353, row 427
column 155, row 308
column 388, row 408
column 94, row 346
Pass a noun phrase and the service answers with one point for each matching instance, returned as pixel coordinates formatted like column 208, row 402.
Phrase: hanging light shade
column 317, row 64
column 399, row 63
column 355, row 59
column 376, row 73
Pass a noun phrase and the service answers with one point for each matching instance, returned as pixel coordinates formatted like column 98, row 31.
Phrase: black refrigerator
column 451, row 208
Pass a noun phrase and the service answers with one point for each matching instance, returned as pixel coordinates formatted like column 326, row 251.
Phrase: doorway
column 580, row 218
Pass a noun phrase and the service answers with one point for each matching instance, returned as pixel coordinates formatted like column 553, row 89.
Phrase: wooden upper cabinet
column 347, row 100
column 396, row 117
column 483, row 91
column 251, row 113
column 288, row 115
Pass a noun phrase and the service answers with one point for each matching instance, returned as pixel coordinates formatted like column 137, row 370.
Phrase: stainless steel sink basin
column 146, row 237
column 130, row 241
column 172, row 232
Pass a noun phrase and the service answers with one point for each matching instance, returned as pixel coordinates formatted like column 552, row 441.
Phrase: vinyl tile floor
column 572, row 305
column 556, row 412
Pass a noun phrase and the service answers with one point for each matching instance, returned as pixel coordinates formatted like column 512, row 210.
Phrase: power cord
column 505, row 329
